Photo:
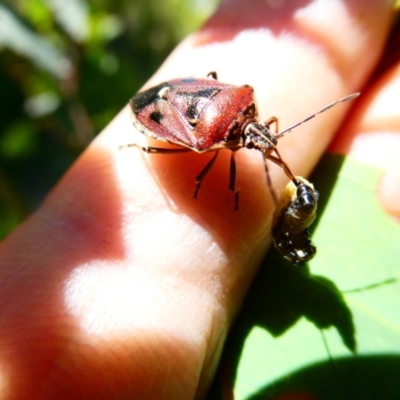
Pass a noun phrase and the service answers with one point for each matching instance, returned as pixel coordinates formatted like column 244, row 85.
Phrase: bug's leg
column 232, row 180
column 269, row 181
column 154, row 150
column 281, row 163
column 278, row 160
column 203, row 173
column 270, row 121
column 213, row 75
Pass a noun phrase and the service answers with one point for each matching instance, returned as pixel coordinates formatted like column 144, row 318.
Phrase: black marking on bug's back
column 196, row 102
column 192, row 113
column 156, row 116
column 143, row 99
column 207, row 93
column 195, row 97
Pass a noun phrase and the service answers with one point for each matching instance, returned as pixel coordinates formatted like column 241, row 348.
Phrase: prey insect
column 205, row 115
column 293, row 215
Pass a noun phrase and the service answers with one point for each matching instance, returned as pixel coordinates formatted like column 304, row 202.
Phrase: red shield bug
column 294, row 213
column 205, row 115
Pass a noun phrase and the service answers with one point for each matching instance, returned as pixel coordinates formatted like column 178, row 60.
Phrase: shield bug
column 205, row 115
column 294, row 213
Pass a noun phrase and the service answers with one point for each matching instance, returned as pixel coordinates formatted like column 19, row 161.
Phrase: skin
column 121, row 285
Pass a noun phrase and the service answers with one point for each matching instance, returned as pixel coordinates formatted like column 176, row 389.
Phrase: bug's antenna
column 343, row 99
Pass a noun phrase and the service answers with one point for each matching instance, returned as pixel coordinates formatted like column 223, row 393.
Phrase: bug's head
column 259, row 137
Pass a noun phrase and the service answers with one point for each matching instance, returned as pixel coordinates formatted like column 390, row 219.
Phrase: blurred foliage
column 58, row 61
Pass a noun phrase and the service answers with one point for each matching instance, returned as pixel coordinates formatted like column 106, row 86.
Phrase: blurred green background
column 58, row 61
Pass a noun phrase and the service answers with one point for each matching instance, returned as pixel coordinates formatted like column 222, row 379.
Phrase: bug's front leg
column 277, row 159
column 270, row 121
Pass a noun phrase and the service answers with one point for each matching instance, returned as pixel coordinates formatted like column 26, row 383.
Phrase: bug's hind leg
column 199, row 178
column 232, row 180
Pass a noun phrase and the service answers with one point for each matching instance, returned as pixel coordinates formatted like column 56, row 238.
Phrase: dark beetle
column 295, row 212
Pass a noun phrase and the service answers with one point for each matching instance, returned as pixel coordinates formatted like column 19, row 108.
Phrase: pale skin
column 121, row 285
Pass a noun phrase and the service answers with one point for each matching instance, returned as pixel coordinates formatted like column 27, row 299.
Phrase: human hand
column 121, row 285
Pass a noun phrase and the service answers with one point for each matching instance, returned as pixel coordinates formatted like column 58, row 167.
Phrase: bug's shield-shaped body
column 205, row 115
column 200, row 114
column 293, row 216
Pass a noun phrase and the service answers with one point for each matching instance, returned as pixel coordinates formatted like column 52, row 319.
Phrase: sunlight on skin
column 104, row 296
column 376, row 149
column 316, row 18
column 375, row 137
